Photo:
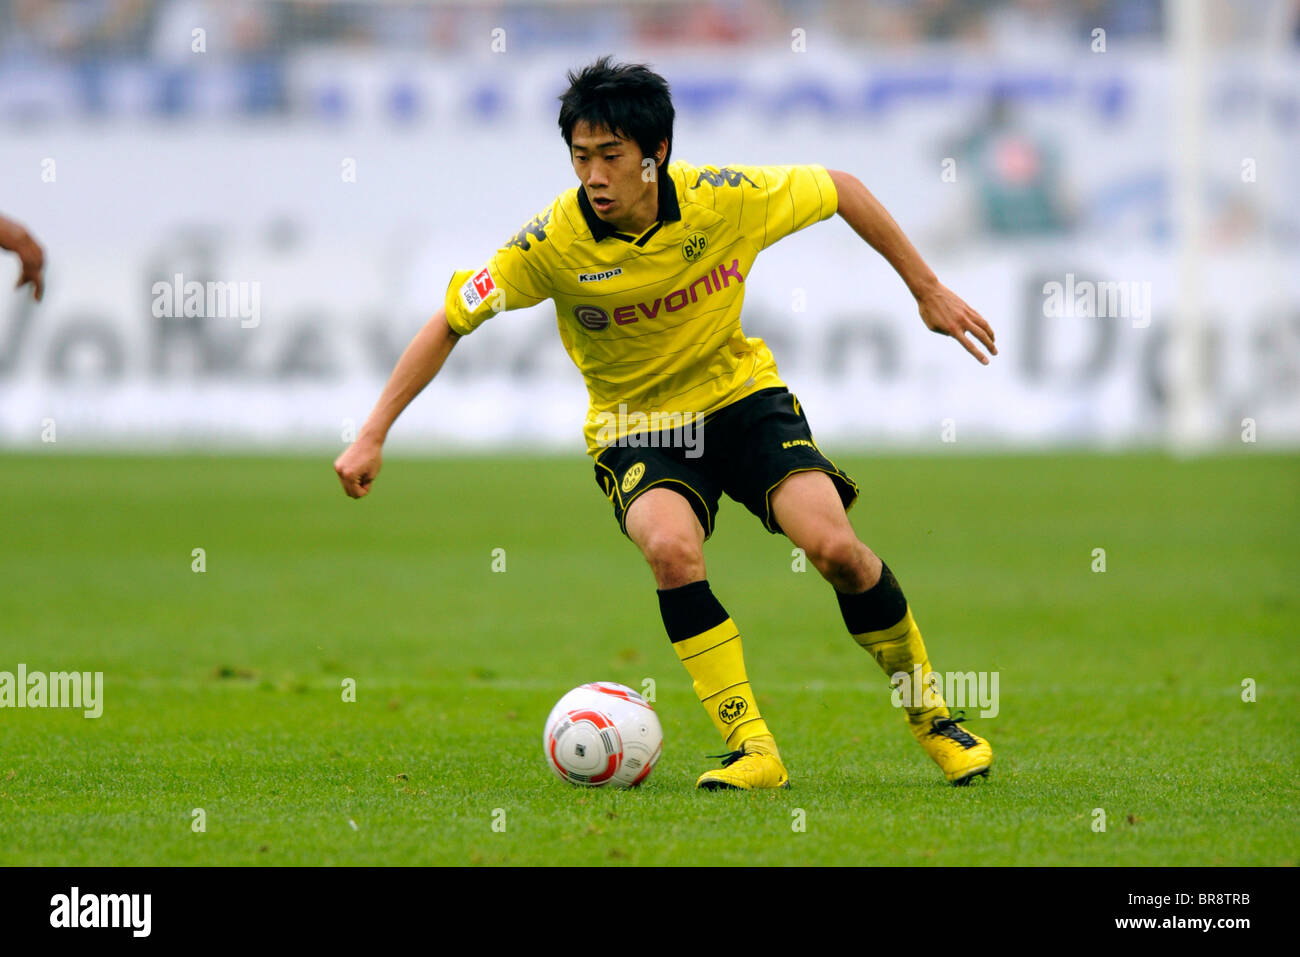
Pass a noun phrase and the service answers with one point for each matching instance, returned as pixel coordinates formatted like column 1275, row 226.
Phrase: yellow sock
column 880, row 620
column 899, row 650
column 716, row 664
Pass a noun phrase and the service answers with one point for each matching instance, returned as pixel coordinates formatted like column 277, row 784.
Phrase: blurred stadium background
column 342, row 158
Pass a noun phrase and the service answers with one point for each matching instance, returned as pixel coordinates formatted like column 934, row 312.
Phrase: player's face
column 610, row 170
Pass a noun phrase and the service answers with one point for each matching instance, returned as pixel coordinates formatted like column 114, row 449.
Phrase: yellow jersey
column 652, row 321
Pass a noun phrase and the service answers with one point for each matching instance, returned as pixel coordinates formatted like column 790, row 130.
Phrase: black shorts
column 745, row 449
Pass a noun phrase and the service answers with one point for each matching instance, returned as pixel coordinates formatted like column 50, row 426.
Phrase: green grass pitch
column 1119, row 690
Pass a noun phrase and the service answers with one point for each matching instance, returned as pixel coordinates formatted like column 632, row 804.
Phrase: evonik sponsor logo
column 715, row 280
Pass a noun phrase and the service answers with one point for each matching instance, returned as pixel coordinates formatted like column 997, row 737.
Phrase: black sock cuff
column 879, row 607
column 690, row 610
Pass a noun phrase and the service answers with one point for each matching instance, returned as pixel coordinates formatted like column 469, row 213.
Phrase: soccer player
column 646, row 262
column 31, row 257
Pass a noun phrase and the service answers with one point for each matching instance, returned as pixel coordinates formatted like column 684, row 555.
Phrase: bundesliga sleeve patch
column 477, row 288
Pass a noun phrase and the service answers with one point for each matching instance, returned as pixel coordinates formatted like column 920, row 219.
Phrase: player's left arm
column 942, row 310
column 31, row 257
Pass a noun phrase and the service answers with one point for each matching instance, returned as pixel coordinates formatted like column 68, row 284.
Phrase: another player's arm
column 361, row 461
column 942, row 310
column 18, row 240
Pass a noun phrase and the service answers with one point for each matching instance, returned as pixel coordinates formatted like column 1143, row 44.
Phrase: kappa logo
column 535, row 229
column 731, row 710
column 694, row 246
column 632, row 476
column 598, row 276
column 725, row 176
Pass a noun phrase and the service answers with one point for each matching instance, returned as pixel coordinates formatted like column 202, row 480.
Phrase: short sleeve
column 514, row 278
column 768, row 203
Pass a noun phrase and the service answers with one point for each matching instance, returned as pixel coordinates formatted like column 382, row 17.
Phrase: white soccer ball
column 602, row 733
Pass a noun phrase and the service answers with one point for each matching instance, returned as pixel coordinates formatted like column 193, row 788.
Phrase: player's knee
column 842, row 560
column 675, row 559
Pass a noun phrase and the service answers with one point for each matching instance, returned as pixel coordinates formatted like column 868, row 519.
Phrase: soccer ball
column 602, row 733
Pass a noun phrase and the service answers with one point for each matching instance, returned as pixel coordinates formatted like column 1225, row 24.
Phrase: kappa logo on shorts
column 732, row 709
column 632, row 476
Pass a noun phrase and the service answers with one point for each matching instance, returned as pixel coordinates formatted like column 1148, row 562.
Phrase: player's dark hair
column 628, row 99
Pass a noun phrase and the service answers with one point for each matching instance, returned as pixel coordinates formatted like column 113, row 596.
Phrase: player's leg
column 808, row 507
column 809, row 510
column 667, row 509
column 663, row 525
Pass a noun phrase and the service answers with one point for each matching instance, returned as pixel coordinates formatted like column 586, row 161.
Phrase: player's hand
column 946, row 313
column 30, row 256
column 358, row 466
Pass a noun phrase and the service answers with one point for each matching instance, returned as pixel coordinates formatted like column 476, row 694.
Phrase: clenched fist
column 358, row 466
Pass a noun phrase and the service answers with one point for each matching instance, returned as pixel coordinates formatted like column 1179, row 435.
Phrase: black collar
column 669, row 211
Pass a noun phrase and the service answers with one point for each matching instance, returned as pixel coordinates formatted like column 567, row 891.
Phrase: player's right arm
column 512, row 279
column 361, row 461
